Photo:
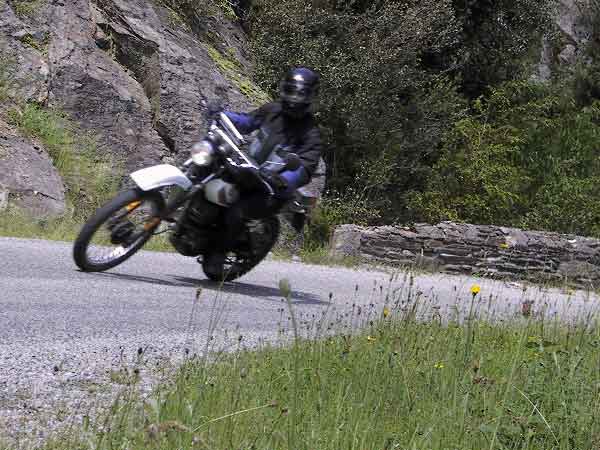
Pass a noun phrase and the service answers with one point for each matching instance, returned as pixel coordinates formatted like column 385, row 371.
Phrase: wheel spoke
column 122, row 232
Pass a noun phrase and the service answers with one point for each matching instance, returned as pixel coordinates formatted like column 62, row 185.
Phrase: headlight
column 202, row 153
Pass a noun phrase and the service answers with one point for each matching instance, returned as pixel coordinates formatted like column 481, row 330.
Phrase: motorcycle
column 191, row 200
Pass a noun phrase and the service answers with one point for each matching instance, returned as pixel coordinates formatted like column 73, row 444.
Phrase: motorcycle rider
column 284, row 127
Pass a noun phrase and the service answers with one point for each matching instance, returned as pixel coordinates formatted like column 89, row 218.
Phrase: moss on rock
column 233, row 71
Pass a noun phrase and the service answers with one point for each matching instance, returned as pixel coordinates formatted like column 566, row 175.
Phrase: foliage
column 393, row 91
column 527, row 158
column 496, row 40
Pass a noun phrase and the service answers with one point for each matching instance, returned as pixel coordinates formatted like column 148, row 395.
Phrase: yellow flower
column 439, row 365
column 475, row 289
column 371, row 338
column 386, row 311
column 504, row 245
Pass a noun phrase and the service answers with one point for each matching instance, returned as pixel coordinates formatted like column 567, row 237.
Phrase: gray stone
column 498, row 251
column 21, row 59
column 27, row 177
column 568, row 55
column 126, row 72
column 346, row 241
column 96, row 91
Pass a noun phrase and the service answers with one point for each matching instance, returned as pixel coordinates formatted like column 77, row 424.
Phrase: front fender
column 159, row 176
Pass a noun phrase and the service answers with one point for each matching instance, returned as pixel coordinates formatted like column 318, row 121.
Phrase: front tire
column 112, row 215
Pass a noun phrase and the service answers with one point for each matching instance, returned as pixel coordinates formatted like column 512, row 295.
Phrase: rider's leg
column 251, row 206
column 295, row 179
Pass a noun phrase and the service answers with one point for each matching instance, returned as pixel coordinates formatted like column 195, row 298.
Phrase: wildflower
column 386, row 311
column 475, row 289
column 371, row 338
column 439, row 365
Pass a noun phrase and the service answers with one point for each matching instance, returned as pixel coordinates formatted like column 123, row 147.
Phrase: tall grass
column 398, row 383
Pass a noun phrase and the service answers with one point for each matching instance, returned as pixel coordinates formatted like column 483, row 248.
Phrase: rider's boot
column 298, row 220
column 214, row 261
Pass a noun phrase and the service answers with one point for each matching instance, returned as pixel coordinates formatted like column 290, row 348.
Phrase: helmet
column 297, row 91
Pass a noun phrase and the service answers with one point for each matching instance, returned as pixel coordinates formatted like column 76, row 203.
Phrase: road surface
column 66, row 335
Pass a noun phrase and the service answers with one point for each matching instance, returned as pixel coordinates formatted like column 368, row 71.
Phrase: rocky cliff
column 136, row 73
column 569, row 41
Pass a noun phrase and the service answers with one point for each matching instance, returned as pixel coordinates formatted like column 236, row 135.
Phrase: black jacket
column 302, row 136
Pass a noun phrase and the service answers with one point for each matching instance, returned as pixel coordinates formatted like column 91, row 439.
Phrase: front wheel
column 117, row 230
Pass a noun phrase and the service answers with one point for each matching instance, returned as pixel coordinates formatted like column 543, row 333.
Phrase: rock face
column 24, row 64
column 471, row 249
column 575, row 30
column 27, row 177
column 135, row 73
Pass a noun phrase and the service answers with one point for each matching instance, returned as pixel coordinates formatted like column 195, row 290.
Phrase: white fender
column 159, row 176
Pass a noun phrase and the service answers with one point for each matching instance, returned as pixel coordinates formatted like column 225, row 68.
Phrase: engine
column 198, row 228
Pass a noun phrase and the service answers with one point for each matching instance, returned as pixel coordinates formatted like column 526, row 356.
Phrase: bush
column 527, row 158
column 391, row 92
column 377, row 99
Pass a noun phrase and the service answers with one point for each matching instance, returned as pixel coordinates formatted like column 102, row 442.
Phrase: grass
column 27, row 8
column 17, row 223
column 384, row 380
column 90, row 179
column 41, row 47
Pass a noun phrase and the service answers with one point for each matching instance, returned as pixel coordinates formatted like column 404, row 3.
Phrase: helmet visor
column 295, row 92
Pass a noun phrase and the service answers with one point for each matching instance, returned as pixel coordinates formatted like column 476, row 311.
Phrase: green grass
column 27, row 8
column 398, row 384
column 17, row 223
column 90, row 178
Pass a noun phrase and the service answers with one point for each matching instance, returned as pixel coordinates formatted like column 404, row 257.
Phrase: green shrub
column 527, row 158
column 393, row 90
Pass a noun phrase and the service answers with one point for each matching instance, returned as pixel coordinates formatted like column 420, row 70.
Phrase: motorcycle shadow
column 236, row 288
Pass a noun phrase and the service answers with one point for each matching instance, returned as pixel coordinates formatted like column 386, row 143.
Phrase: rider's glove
column 213, row 109
column 276, row 181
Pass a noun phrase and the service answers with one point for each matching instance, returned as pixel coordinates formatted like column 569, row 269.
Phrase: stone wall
column 470, row 249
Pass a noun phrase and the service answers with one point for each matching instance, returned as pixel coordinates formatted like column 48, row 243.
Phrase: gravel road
column 67, row 337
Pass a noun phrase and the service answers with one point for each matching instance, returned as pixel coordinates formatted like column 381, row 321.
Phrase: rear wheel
column 117, row 230
column 262, row 236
